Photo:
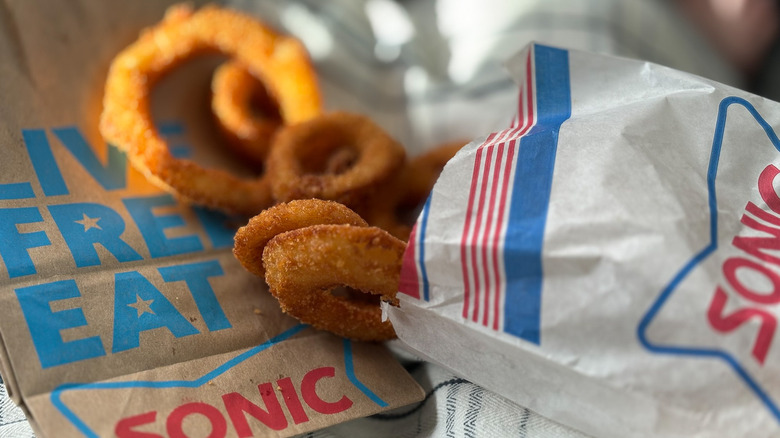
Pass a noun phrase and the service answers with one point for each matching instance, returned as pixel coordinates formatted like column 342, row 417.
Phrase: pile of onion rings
column 337, row 195
column 280, row 61
column 306, row 248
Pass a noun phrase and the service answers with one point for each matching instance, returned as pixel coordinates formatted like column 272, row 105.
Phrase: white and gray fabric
column 453, row 407
column 13, row 423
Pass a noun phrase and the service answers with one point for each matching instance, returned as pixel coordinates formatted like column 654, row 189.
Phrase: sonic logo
column 723, row 302
column 754, row 249
column 240, row 412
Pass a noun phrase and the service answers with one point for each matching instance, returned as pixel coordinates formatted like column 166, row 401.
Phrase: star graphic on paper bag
column 89, row 222
column 142, row 306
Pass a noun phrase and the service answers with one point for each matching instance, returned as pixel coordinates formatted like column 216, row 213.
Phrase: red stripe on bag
column 482, row 282
column 496, row 240
column 489, row 231
column 409, row 283
column 475, row 236
column 467, row 228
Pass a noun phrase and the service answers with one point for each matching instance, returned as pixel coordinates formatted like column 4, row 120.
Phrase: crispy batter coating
column 246, row 114
column 280, row 62
column 396, row 203
column 424, row 169
column 266, row 100
column 297, row 163
column 252, row 238
column 304, row 265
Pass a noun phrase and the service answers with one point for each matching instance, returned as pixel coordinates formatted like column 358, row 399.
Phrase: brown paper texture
column 121, row 309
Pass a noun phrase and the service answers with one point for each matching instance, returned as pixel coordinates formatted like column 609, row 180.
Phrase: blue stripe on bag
column 531, row 195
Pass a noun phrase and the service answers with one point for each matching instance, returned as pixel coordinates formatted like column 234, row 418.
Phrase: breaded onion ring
column 296, row 163
column 396, row 203
column 423, row 171
column 304, row 265
column 245, row 113
column 280, row 62
column 250, row 239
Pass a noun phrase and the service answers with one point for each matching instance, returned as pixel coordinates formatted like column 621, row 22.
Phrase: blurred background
column 432, row 61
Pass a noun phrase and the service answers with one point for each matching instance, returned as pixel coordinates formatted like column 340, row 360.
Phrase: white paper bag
column 611, row 259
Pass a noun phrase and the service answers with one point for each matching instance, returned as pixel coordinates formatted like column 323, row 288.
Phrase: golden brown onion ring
column 304, row 265
column 246, row 114
column 280, row 62
column 250, row 239
column 423, row 170
column 300, row 153
column 395, row 204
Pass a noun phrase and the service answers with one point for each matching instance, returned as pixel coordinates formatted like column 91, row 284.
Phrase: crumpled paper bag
column 610, row 259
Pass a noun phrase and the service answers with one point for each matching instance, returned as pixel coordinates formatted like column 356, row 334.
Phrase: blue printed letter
column 111, row 176
column 139, row 306
column 196, row 275
column 153, row 227
column 84, row 225
column 218, row 226
column 14, row 245
column 45, row 325
column 43, row 162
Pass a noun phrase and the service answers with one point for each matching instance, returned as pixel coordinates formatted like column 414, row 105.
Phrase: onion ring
column 396, row 204
column 303, row 265
column 280, row 62
column 250, row 239
column 423, row 171
column 299, row 153
column 245, row 113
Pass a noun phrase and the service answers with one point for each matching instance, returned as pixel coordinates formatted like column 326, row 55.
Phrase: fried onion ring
column 396, row 203
column 250, row 239
column 280, row 62
column 304, row 265
column 296, row 163
column 245, row 113
column 423, row 170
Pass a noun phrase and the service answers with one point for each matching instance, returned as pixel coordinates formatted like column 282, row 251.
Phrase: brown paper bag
column 123, row 311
